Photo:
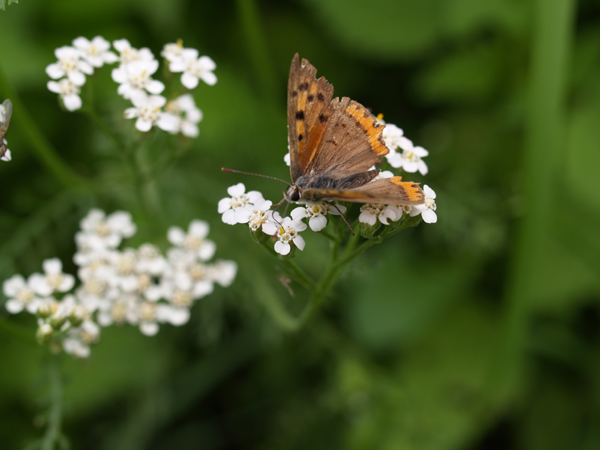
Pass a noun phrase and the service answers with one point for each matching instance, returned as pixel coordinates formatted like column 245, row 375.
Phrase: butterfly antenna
column 224, row 169
column 343, row 217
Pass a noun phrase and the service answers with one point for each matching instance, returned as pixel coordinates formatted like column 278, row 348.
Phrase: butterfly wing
column 392, row 191
column 5, row 115
column 308, row 98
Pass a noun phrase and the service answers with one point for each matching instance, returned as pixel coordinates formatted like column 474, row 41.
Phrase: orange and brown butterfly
column 333, row 146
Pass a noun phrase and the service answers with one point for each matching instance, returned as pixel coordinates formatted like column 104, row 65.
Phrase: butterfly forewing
column 307, row 99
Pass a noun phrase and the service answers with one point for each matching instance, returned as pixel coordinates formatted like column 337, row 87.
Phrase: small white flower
column 370, row 212
column 255, row 215
column 194, row 68
column 135, row 77
column 188, row 115
column 194, row 240
column 150, row 261
column 173, row 52
column 427, row 209
column 53, row 280
column 223, row 272
column 7, row 155
column 239, row 199
column 69, row 64
column 106, row 232
column 411, row 157
column 391, row 136
column 147, row 109
column 317, row 213
column 128, row 54
column 68, row 91
column 20, row 295
column 96, row 52
column 288, row 231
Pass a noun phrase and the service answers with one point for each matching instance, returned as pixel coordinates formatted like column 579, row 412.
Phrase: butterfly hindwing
column 392, row 191
column 308, row 97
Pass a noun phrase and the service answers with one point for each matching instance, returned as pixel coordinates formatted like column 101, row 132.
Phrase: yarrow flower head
column 287, row 233
column 427, row 209
column 96, row 52
column 194, row 68
column 187, row 115
column 147, row 109
column 70, row 65
column 239, row 199
column 140, row 286
column 316, row 212
column 135, row 78
column 68, row 91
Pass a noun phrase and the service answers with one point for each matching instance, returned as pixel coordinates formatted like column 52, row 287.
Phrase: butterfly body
column 334, row 145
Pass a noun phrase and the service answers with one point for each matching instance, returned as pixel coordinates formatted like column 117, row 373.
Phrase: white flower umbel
column 411, row 157
column 239, row 199
column 20, row 295
column 136, row 77
column 256, row 215
column 187, row 113
column 70, row 65
column 391, row 136
column 128, row 54
column 147, row 109
column 194, row 68
column 53, row 280
column 287, row 233
column 110, row 230
column 194, row 240
column 317, row 213
column 68, row 91
column 427, row 209
column 173, row 52
column 370, row 212
column 96, row 52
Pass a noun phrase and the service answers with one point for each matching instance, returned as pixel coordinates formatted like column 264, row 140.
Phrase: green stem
column 53, row 433
column 93, row 116
column 43, row 149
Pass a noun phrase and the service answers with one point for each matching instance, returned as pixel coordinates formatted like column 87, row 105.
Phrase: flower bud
column 44, row 333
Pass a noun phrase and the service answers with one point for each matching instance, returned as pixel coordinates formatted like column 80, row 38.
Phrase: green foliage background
column 479, row 332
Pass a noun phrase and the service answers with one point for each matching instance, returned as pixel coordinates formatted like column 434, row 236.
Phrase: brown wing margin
column 307, row 99
column 389, row 191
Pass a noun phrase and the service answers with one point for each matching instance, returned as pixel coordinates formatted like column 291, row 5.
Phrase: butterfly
column 5, row 115
column 333, row 146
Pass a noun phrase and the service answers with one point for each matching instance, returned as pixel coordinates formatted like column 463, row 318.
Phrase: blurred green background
column 478, row 332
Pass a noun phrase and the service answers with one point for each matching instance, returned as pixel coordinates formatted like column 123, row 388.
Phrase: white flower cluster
column 135, row 286
column 253, row 209
column 134, row 75
column 403, row 154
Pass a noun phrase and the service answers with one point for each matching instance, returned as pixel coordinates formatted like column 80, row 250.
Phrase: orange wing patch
column 413, row 191
column 370, row 125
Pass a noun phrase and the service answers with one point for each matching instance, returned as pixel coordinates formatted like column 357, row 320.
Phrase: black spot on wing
column 303, row 87
column 310, row 98
column 320, row 97
column 323, row 118
column 300, row 115
column 300, row 137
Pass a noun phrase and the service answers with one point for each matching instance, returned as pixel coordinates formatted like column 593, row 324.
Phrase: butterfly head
column 293, row 193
